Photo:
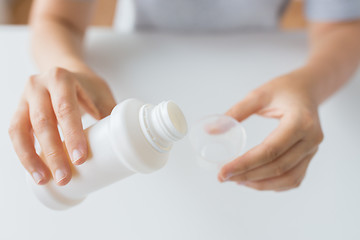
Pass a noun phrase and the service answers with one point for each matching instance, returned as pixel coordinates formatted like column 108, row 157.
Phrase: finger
column 44, row 124
column 64, row 102
column 278, row 142
column 280, row 166
column 100, row 110
column 106, row 105
column 87, row 104
column 23, row 141
column 252, row 103
column 100, row 102
column 288, row 188
column 310, row 156
column 291, row 179
column 220, row 126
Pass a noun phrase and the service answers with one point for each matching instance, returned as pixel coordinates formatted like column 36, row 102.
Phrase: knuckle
column 40, row 122
column 315, row 151
column 58, row 73
column 308, row 120
column 53, row 154
column 72, row 135
column 271, row 152
column 245, row 166
column 242, row 178
column 32, row 81
column 320, row 137
column 257, row 95
column 13, row 129
column 297, row 184
column 260, row 187
column 280, row 170
column 294, row 182
column 64, row 108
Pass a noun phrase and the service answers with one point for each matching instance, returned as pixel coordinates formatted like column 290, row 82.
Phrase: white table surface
column 204, row 75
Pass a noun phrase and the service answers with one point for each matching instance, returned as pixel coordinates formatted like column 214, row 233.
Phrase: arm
column 335, row 56
column 279, row 163
column 56, row 96
column 58, row 28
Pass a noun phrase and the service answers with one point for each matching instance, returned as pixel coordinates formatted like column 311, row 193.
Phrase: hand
column 279, row 163
column 56, row 97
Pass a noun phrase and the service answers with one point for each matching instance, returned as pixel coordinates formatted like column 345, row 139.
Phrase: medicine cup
column 217, row 139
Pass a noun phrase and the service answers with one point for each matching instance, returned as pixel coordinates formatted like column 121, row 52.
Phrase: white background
column 204, row 75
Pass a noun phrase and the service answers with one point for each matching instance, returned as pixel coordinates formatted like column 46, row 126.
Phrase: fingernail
column 76, row 156
column 37, row 177
column 59, row 175
column 227, row 176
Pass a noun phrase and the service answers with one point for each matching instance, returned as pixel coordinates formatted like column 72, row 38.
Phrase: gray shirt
column 229, row 15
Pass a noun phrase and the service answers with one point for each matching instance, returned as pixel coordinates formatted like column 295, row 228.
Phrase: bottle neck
column 162, row 125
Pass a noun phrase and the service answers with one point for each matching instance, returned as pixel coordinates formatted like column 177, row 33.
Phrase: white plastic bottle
column 135, row 138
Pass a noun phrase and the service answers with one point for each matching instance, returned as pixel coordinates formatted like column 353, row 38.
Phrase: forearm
column 334, row 57
column 57, row 39
column 54, row 45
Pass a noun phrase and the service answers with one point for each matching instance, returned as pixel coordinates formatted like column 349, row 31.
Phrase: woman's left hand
column 279, row 163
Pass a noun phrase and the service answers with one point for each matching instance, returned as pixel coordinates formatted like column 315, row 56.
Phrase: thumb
column 251, row 104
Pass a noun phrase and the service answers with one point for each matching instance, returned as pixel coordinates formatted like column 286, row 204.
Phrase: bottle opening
column 163, row 124
column 174, row 120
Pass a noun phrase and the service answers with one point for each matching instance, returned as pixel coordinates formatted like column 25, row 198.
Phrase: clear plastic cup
column 217, row 139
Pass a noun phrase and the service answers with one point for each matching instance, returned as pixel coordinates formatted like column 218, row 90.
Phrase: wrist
column 77, row 69
column 312, row 80
column 71, row 64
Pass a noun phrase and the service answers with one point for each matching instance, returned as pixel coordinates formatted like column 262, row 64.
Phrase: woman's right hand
column 54, row 98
